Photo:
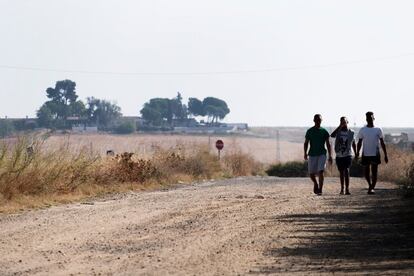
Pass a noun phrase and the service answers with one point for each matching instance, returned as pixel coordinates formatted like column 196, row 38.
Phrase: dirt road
column 230, row 227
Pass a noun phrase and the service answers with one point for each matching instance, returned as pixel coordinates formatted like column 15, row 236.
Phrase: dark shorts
column 371, row 160
column 343, row 162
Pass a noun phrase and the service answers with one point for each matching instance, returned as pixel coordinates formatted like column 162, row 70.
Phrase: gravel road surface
column 253, row 225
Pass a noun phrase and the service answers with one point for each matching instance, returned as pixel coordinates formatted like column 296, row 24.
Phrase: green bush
column 289, row 169
column 125, row 128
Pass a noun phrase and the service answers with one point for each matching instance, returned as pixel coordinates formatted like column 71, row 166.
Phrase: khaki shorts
column 316, row 164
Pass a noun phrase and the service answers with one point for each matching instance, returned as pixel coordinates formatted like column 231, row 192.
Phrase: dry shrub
column 197, row 162
column 30, row 170
column 396, row 169
column 400, row 169
column 26, row 169
column 202, row 164
column 237, row 163
column 125, row 168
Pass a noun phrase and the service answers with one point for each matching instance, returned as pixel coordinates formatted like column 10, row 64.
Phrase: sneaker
column 319, row 192
column 371, row 192
column 342, row 192
column 347, row 193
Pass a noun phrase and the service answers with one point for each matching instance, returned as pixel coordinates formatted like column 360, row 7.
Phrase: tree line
column 165, row 112
column 63, row 109
column 63, row 106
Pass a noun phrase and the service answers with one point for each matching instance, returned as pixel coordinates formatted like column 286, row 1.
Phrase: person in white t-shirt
column 370, row 138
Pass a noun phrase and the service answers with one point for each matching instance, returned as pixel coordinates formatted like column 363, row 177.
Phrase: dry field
column 66, row 168
column 262, row 149
column 35, row 172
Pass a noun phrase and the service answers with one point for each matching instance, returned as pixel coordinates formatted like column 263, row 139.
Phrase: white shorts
column 316, row 164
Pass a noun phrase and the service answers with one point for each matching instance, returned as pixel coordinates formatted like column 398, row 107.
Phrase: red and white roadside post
column 219, row 146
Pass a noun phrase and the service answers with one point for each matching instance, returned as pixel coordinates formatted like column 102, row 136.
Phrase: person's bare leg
column 342, row 179
column 346, row 175
column 374, row 169
column 321, row 179
column 315, row 183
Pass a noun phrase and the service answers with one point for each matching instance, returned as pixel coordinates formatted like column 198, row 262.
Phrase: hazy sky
column 276, row 63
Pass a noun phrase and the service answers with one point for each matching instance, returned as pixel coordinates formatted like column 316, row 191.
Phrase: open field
column 36, row 172
column 242, row 226
column 262, row 149
column 67, row 168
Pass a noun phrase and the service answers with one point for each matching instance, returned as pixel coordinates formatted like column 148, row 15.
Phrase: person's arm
column 384, row 149
column 328, row 146
column 358, row 148
column 354, row 147
column 333, row 134
column 305, row 148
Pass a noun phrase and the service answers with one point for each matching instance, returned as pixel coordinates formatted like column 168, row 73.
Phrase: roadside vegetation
column 288, row 169
column 33, row 175
column 400, row 169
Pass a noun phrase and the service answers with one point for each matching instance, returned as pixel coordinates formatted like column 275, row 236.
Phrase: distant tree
column 102, row 112
column 178, row 109
column 163, row 111
column 77, row 109
column 45, row 117
column 157, row 111
column 63, row 100
column 215, row 108
column 195, row 107
column 63, row 103
column 211, row 107
column 151, row 115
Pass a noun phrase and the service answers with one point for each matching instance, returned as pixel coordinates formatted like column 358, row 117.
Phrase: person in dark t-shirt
column 317, row 137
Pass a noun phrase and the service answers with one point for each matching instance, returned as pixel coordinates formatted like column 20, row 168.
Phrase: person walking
column 369, row 138
column 344, row 143
column 317, row 137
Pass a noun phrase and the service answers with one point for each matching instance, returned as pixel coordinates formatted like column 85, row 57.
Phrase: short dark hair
column 369, row 113
column 316, row 116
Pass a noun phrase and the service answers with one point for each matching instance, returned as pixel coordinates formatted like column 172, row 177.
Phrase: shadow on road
column 360, row 234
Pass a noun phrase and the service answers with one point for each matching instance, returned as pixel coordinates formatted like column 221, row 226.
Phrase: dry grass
column 399, row 162
column 400, row 169
column 237, row 163
column 33, row 174
column 145, row 145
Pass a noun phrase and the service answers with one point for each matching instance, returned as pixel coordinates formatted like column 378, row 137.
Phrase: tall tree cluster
column 211, row 107
column 63, row 103
column 163, row 111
